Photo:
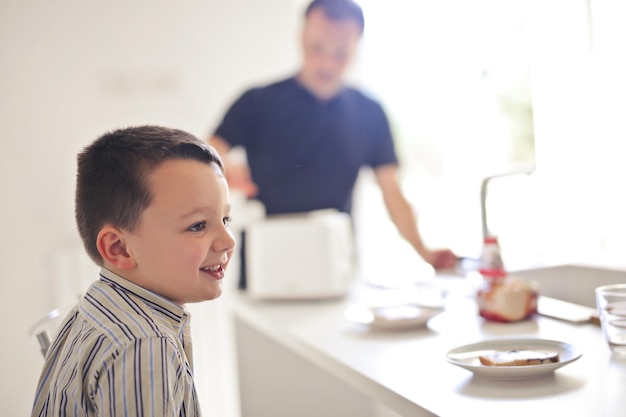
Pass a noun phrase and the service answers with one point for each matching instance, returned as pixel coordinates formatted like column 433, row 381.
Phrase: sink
column 572, row 283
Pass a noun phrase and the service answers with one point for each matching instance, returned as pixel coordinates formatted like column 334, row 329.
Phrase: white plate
column 392, row 317
column 468, row 357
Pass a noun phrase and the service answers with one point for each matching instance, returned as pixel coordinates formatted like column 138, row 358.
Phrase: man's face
column 328, row 47
column 183, row 243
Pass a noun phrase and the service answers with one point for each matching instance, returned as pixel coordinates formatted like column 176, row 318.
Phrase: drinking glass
column 611, row 304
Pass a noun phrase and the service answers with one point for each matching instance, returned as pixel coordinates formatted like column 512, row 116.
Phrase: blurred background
column 472, row 89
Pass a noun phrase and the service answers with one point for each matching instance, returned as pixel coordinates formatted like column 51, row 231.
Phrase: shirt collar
column 163, row 305
column 304, row 90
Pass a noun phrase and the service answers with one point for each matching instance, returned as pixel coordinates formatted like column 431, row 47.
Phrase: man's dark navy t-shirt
column 305, row 154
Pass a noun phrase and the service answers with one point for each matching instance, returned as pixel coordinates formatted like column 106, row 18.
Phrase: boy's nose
column 225, row 242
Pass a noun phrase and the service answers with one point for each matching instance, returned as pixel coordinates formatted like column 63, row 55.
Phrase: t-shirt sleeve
column 239, row 120
column 383, row 149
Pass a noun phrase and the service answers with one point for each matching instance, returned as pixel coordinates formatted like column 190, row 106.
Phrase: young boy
column 152, row 208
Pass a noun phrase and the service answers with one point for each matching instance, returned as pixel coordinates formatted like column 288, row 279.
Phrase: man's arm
column 221, row 146
column 235, row 166
column 405, row 220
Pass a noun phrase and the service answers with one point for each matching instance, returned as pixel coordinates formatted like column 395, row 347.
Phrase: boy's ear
column 111, row 244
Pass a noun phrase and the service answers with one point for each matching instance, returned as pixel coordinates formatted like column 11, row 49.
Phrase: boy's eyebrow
column 202, row 210
column 199, row 210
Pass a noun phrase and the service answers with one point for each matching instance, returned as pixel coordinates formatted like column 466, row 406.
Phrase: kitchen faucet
column 483, row 196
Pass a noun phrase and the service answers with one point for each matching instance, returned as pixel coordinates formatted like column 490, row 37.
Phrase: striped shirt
column 123, row 351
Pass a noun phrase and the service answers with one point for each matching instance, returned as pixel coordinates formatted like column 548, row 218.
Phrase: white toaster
column 303, row 256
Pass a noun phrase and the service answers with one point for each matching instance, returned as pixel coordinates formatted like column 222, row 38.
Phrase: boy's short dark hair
column 111, row 183
column 339, row 10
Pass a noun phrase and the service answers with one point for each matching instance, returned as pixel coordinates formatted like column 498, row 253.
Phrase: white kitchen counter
column 407, row 371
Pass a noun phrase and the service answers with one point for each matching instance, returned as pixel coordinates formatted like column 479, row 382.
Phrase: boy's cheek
column 230, row 256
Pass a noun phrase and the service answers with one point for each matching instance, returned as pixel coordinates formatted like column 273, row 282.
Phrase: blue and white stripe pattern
column 123, row 351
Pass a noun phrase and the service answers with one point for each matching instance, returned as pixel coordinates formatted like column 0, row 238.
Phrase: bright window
column 454, row 79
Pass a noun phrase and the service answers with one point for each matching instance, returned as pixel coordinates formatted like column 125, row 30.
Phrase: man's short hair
column 339, row 10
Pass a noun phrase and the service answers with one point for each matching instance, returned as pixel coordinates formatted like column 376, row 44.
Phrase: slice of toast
column 519, row 358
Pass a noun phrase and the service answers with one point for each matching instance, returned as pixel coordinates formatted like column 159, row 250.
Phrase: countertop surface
column 408, row 370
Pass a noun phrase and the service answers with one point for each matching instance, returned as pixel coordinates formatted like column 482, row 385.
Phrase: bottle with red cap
column 491, row 264
column 503, row 298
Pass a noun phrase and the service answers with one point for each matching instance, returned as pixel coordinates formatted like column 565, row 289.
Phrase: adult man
column 307, row 137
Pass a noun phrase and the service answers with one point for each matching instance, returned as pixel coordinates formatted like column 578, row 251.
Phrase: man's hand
column 238, row 178
column 236, row 168
column 441, row 258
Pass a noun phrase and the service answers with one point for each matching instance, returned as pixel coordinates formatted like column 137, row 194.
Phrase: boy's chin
column 212, row 294
column 199, row 297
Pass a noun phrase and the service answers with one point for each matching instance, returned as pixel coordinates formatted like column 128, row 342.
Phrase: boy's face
column 183, row 243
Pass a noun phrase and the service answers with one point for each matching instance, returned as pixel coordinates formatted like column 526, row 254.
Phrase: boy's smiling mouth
column 216, row 271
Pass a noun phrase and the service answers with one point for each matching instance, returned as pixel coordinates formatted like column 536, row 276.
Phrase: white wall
column 71, row 70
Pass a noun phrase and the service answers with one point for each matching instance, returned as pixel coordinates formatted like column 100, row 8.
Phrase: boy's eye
column 198, row 227
column 227, row 221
